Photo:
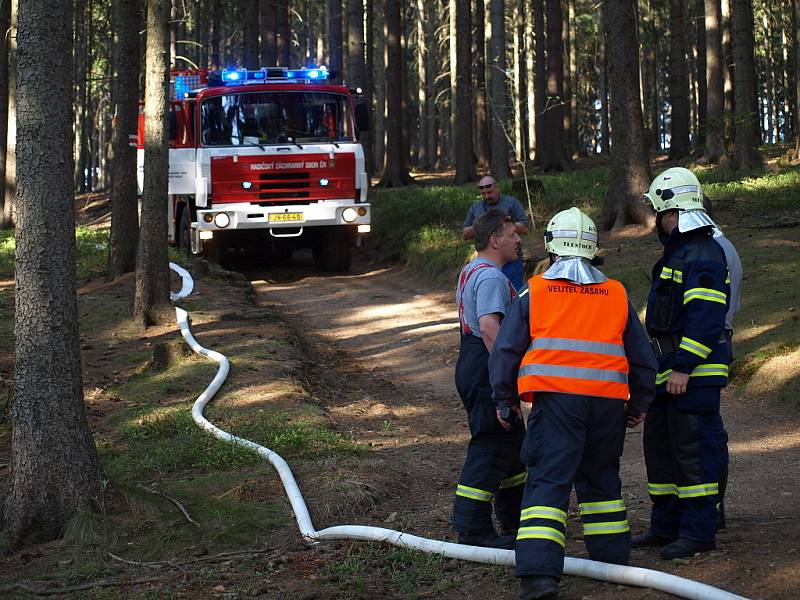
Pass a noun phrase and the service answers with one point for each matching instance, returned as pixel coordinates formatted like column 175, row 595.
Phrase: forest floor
column 370, row 354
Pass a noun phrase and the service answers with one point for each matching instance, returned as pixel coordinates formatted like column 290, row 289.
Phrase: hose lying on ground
column 636, row 576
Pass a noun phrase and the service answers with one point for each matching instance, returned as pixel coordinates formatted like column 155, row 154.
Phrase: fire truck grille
column 283, row 186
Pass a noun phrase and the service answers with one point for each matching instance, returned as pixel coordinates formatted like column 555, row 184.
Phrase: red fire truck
column 266, row 160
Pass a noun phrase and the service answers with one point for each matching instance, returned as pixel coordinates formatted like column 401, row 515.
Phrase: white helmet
column 678, row 189
column 571, row 233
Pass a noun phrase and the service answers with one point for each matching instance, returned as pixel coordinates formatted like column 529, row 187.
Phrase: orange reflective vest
column 576, row 340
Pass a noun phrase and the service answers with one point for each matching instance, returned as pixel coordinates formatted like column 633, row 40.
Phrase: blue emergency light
column 270, row 74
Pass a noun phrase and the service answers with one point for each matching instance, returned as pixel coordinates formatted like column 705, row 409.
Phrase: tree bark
column 125, row 97
column 369, row 88
column 700, row 73
column 572, row 93
column 481, row 131
column 728, row 70
column 8, row 217
column 796, row 90
column 715, row 102
column 335, row 36
column 678, row 84
column 540, row 97
column 283, row 37
column 630, row 165
column 745, row 154
column 423, row 75
column 379, row 70
column 463, row 113
column 554, row 155
column 151, row 302
column 395, row 172
column 5, row 23
column 54, row 464
column 216, row 37
column 605, row 130
column 356, row 66
column 499, row 97
column 268, row 46
column 250, row 46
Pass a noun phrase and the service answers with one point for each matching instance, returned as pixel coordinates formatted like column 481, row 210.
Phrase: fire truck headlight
column 208, row 217
column 222, row 220
column 361, row 211
column 247, row 185
column 349, row 215
column 324, row 182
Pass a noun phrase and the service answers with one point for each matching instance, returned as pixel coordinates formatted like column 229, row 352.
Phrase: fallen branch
column 178, row 563
column 175, row 502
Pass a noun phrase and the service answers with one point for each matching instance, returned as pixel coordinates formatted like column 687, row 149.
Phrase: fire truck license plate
column 283, row 217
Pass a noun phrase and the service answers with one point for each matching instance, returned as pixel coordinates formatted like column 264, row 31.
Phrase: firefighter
column 685, row 318
column 572, row 345
column 492, row 472
column 734, row 304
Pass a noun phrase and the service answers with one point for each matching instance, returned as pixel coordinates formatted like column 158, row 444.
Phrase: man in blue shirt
column 491, row 198
column 493, row 475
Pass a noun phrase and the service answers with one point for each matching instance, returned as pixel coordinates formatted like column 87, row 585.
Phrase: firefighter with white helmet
column 685, row 319
column 571, row 345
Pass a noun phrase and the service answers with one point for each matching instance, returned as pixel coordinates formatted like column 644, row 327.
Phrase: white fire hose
column 635, row 576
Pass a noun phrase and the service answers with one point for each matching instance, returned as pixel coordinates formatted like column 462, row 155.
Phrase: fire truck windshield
column 259, row 118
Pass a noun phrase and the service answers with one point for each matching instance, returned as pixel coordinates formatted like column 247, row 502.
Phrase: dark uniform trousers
column 572, row 439
column 684, row 451
column 492, row 472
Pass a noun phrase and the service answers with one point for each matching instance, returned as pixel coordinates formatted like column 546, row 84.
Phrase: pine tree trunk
column 481, row 116
column 216, row 35
column 700, row 73
column 54, row 464
column 630, row 165
column 5, row 22
column 605, row 130
column 125, row 99
column 745, row 154
column 151, row 301
column 554, row 156
column 499, row 97
column 379, row 65
column 268, row 46
column 369, row 88
column 423, row 157
column 796, row 90
column 250, row 45
column 715, row 126
column 283, row 34
column 574, row 83
column 728, row 70
column 540, row 97
column 530, row 91
column 394, row 170
column 520, row 84
column 654, row 102
column 8, row 217
column 463, row 113
column 566, row 41
column 678, row 83
column 356, row 67
column 335, row 36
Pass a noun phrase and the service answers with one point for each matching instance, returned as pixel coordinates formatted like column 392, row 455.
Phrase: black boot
column 487, row 540
column 648, row 539
column 683, row 547
column 720, row 516
column 538, row 587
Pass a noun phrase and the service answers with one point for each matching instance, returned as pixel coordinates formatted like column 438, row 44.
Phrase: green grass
column 91, row 251
column 405, row 572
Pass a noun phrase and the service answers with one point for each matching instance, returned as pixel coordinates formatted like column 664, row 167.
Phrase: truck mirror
column 362, row 116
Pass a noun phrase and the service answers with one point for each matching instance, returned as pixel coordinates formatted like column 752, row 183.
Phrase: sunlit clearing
column 750, row 332
column 767, row 443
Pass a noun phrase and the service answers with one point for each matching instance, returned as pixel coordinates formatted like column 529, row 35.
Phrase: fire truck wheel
column 334, row 250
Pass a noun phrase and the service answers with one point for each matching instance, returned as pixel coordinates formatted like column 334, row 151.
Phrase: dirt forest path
column 391, row 341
